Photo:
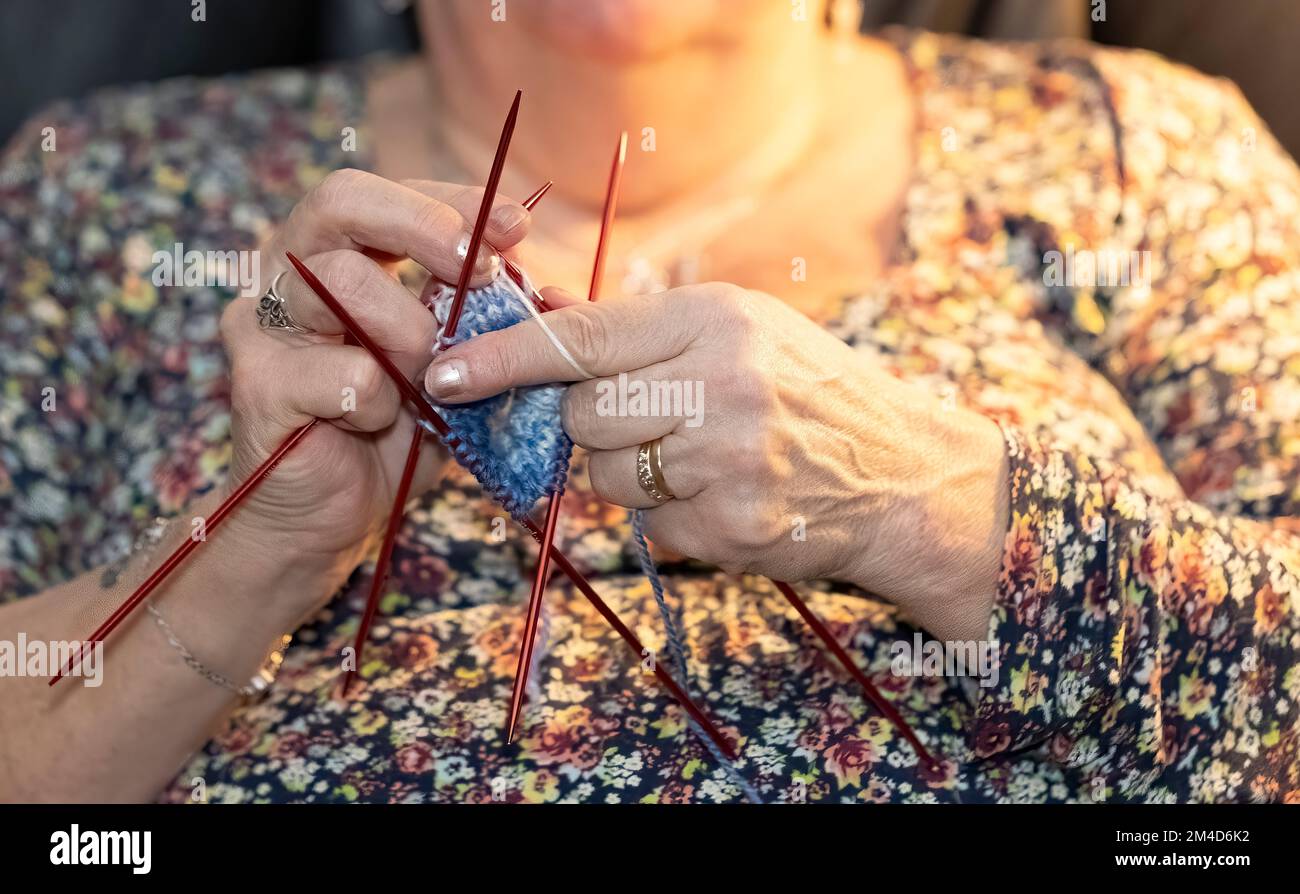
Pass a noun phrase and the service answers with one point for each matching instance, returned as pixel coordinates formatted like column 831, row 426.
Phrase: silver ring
column 273, row 313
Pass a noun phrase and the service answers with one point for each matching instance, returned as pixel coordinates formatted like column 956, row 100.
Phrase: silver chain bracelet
column 255, row 687
column 141, row 549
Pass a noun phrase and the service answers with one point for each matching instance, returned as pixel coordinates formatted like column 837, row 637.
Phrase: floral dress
column 1148, row 614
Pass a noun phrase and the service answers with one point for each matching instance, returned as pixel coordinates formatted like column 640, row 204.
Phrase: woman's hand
column 325, row 500
column 804, row 461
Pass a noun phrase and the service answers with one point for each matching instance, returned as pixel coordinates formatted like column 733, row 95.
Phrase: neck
column 696, row 116
column 739, row 180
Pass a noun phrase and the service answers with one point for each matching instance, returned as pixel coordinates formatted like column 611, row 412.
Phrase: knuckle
column 231, row 322
column 472, row 195
column 344, row 272
column 727, row 297
column 600, row 473
column 576, row 415
column 590, row 337
column 750, row 390
column 493, row 367
column 735, row 309
column 417, row 184
column 433, row 217
column 749, row 457
column 749, row 531
column 338, row 187
column 369, row 380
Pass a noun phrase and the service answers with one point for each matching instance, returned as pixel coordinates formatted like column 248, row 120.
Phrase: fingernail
column 506, row 217
column 487, row 264
column 445, row 378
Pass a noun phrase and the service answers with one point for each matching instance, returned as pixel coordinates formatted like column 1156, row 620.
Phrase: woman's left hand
column 790, row 454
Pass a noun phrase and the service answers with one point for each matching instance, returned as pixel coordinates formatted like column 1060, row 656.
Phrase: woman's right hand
column 326, row 499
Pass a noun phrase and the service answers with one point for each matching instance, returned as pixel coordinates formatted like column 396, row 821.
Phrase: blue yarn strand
column 677, row 651
column 676, row 644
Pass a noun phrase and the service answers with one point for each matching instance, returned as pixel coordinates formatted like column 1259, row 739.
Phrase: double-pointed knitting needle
column 177, row 557
column 385, row 557
column 542, row 574
column 607, row 214
column 396, row 514
column 868, row 687
column 484, row 209
column 427, row 412
column 536, row 197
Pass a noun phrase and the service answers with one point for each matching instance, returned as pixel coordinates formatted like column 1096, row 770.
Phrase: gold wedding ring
column 650, row 471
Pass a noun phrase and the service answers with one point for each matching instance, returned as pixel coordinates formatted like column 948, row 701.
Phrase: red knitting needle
column 607, row 214
column 476, row 238
column 427, row 412
column 188, row 546
column 584, row 587
column 872, row 693
column 531, row 618
column 541, row 575
column 397, row 513
column 536, row 197
column 385, row 554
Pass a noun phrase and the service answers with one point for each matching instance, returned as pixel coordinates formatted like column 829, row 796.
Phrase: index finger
column 507, row 224
column 602, row 339
column 357, row 210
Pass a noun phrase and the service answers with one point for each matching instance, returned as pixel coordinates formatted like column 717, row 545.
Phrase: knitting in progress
column 515, row 446
column 513, row 443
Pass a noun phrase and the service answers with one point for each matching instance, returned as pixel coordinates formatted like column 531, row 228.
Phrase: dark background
column 57, row 48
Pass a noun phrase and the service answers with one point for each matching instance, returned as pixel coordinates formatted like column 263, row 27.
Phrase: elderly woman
column 923, row 389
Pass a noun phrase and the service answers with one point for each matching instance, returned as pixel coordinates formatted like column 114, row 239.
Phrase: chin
column 631, row 30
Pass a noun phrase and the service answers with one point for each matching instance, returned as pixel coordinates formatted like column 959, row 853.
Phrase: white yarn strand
column 522, row 297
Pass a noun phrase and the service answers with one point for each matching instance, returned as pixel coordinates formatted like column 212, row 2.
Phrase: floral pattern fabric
column 1147, row 617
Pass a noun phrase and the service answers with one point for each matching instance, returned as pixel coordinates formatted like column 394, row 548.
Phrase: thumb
column 578, row 341
column 522, row 354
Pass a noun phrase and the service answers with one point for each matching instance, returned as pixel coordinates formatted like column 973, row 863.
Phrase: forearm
column 126, row 737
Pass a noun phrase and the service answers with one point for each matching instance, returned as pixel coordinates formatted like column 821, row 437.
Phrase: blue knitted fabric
column 514, row 443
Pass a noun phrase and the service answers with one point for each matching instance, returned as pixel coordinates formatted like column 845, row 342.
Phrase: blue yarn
column 513, row 443
column 677, row 650
column 672, row 625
